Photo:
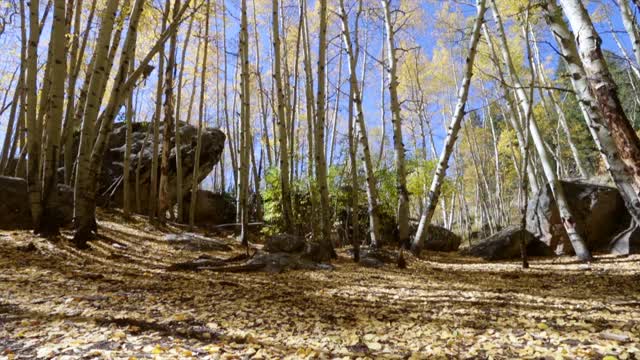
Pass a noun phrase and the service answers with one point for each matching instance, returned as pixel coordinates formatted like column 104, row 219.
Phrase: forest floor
column 117, row 300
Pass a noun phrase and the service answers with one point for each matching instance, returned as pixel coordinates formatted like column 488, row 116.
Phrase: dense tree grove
column 359, row 120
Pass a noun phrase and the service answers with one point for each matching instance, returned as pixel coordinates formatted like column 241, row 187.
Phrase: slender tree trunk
column 123, row 86
column 126, row 177
column 178, row 141
column 83, row 203
column 598, row 99
column 164, row 196
column 630, row 26
column 436, row 185
column 402, row 215
column 287, row 212
column 356, row 98
column 49, row 225
column 383, row 122
column 154, row 191
column 311, row 116
column 33, row 129
column 321, row 117
column 245, row 132
column 565, row 211
column 203, row 83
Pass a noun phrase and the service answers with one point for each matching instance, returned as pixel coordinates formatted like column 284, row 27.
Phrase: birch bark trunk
column 431, row 200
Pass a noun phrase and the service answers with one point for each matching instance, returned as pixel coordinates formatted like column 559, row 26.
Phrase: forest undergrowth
column 118, row 300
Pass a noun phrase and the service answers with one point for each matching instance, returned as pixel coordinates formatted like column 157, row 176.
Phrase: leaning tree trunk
column 122, row 87
column 396, row 119
column 599, row 101
column 372, row 191
column 431, row 200
column 564, row 209
column 630, row 26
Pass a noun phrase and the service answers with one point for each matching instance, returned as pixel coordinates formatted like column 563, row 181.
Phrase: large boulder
column 441, row 239
column 111, row 187
column 15, row 212
column 285, row 243
column 195, row 242
column 212, row 208
column 599, row 213
column 505, row 245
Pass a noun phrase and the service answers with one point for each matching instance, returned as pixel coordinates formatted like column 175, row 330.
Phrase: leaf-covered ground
column 117, row 300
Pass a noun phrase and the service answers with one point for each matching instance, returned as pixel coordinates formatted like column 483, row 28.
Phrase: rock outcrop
column 505, row 245
column 441, row 239
column 285, row 243
column 211, row 208
column 15, row 212
column 111, row 189
column 599, row 212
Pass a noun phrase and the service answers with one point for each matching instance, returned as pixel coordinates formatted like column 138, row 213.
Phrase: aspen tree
column 402, row 215
column 34, row 132
column 179, row 172
column 321, row 118
column 432, row 196
column 154, row 191
column 245, row 131
column 83, row 203
column 598, row 99
column 287, row 212
column 122, row 87
column 203, row 83
column 579, row 246
column 55, row 111
column 164, row 196
column 352, row 48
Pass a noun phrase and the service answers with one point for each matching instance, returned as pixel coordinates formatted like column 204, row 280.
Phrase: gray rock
column 111, row 187
column 15, row 211
column 441, row 239
column 503, row 245
column 212, row 208
column 284, row 243
column 371, row 262
column 280, row 261
column 599, row 212
column 195, row 242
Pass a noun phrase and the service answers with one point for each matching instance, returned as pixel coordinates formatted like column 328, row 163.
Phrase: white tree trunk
column 372, row 191
column 432, row 196
column 564, row 209
column 402, row 215
column 623, row 171
column 287, row 211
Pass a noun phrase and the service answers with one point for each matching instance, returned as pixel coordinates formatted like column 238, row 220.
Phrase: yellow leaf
column 180, row 317
column 118, row 335
column 187, row 353
column 157, row 350
column 543, row 326
column 212, row 349
column 609, row 357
